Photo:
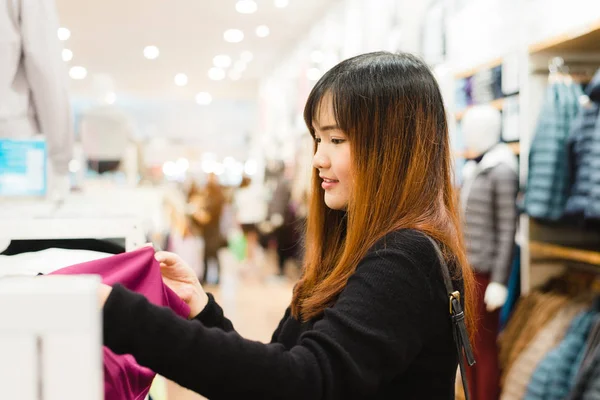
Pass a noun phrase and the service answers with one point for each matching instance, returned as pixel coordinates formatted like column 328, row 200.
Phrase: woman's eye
column 337, row 141
column 317, row 140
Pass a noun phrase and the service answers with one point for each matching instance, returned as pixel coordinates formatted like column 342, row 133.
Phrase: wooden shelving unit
column 583, row 39
column 582, row 44
column 482, row 67
column 497, row 104
column 540, row 249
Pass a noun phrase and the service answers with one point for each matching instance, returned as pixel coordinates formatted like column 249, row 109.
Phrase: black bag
column 459, row 329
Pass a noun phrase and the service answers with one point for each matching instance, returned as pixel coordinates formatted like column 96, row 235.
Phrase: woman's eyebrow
column 328, row 128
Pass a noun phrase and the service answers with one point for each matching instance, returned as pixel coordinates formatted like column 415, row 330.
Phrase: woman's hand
column 103, row 293
column 178, row 276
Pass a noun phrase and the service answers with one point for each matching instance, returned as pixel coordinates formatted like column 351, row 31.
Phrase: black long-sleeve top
column 388, row 336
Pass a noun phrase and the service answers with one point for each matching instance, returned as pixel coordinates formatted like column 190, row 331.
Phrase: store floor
column 253, row 300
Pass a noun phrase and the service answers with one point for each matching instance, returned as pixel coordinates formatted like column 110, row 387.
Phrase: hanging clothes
column 555, row 374
column 587, row 385
column 584, row 153
column 548, row 176
column 549, row 337
column 532, row 313
column 581, row 156
column 138, row 271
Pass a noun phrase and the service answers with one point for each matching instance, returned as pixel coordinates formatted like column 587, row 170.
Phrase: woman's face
column 332, row 158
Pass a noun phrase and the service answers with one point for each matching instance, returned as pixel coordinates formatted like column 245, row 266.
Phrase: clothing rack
column 552, row 251
column 576, row 56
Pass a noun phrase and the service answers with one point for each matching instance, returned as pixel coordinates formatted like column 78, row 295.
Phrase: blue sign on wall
column 22, row 168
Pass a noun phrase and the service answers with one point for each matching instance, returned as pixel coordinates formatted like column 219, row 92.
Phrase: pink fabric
column 138, row 271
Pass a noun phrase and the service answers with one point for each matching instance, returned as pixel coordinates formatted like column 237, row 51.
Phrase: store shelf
column 482, row 67
column 497, row 104
column 586, row 38
column 540, row 249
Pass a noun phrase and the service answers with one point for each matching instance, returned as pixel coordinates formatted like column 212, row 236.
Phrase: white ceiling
column 108, row 37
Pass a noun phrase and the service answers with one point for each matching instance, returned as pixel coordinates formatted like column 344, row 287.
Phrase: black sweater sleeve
column 212, row 316
column 373, row 332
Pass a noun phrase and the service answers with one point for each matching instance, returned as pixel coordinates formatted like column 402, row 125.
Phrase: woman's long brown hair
column 391, row 109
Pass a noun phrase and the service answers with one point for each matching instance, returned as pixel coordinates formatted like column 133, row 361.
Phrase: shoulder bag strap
column 459, row 329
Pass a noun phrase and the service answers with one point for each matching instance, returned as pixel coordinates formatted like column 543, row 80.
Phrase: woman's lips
column 329, row 184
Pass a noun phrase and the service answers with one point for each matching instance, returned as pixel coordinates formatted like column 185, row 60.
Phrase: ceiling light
column 235, row 75
column 67, row 55
column 317, row 56
column 181, row 79
column 262, row 31
column 246, row 6
column 78, row 72
column 151, row 52
column 64, row 34
column 216, row 74
column 233, row 36
column 110, row 97
column 251, row 167
column 313, row 74
column 203, row 98
column 240, row 66
column 246, row 56
column 218, row 168
column 222, row 61
column 281, row 3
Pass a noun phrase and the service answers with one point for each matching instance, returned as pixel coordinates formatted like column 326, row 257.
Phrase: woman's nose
column 320, row 160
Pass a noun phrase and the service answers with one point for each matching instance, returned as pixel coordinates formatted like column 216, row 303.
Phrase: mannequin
column 488, row 196
column 105, row 136
column 33, row 86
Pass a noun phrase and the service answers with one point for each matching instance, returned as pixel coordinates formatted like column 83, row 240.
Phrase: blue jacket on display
column 548, row 180
column 555, row 375
column 584, row 154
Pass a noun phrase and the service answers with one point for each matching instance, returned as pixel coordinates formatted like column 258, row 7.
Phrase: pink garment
column 138, row 271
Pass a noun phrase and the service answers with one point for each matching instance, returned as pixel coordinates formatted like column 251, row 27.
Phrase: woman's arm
column 373, row 332
column 212, row 316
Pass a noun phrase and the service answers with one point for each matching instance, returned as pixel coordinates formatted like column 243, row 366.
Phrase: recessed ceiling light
column 240, row 66
column 233, row 35
column 64, row 34
column 262, row 31
column 313, row 74
column 317, row 56
column 181, row 79
column 235, row 75
column 151, row 52
column 246, row 56
column 222, row 61
column 281, row 3
column 203, row 98
column 110, row 97
column 216, row 74
column 246, row 6
column 67, row 55
column 78, row 73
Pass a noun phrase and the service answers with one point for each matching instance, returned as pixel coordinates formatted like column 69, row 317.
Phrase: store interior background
column 156, row 85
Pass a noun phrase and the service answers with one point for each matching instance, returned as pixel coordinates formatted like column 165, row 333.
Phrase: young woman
column 369, row 317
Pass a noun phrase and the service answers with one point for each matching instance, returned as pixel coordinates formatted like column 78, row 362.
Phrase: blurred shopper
column 251, row 210
column 282, row 219
column 370, row 317
column 33, row 84
column 211, row 232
